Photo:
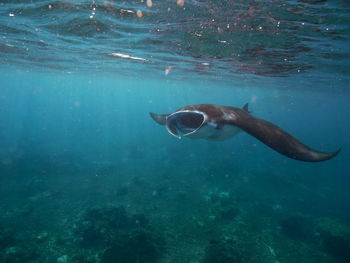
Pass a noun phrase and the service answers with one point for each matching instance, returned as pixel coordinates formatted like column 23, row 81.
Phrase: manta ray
column 217, row 123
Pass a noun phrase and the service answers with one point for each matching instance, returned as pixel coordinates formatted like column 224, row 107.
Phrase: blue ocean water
column 87, row 176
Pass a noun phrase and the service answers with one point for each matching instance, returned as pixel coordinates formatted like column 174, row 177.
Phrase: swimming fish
column 214, row 122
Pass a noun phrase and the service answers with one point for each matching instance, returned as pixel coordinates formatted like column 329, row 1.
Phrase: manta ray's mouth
column 183, row 123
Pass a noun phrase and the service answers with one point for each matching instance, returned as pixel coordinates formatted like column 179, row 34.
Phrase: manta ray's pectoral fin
column 159, row 118
column 281, row 141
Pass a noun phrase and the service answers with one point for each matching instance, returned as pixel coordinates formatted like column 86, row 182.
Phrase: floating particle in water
column 180, row 3
column 167, row 70
column 139, row 13
column 127, row 56
column 122, row 11
column 149, row 3
column 253, row 99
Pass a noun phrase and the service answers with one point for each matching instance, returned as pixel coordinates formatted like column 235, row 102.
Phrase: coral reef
column 16, row 250
column 181, row 219
column 100, row 225
column 19, row 254
column 118, row 236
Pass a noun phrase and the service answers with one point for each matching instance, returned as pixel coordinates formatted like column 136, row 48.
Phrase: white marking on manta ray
column 213, row 124
column 230, row 116
column 227, row 116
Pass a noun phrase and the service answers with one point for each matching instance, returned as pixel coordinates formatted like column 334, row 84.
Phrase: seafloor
column 65, row 210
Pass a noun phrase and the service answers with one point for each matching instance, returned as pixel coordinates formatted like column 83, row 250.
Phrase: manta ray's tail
column 281, row 141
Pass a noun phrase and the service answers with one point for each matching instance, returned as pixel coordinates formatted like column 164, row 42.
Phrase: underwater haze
column 86, row 175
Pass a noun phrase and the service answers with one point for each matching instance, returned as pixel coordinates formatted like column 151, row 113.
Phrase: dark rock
column 122, row 191
column 138, row 246
column 83, row 257
column 229, row 213
column 297, row 227
column 137, row 181
column 139, row 220
column 224, row 251
column 20, row 255
column 335, row 238
column 6, row 239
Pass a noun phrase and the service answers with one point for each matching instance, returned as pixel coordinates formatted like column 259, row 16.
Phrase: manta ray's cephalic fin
column 159, row 118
